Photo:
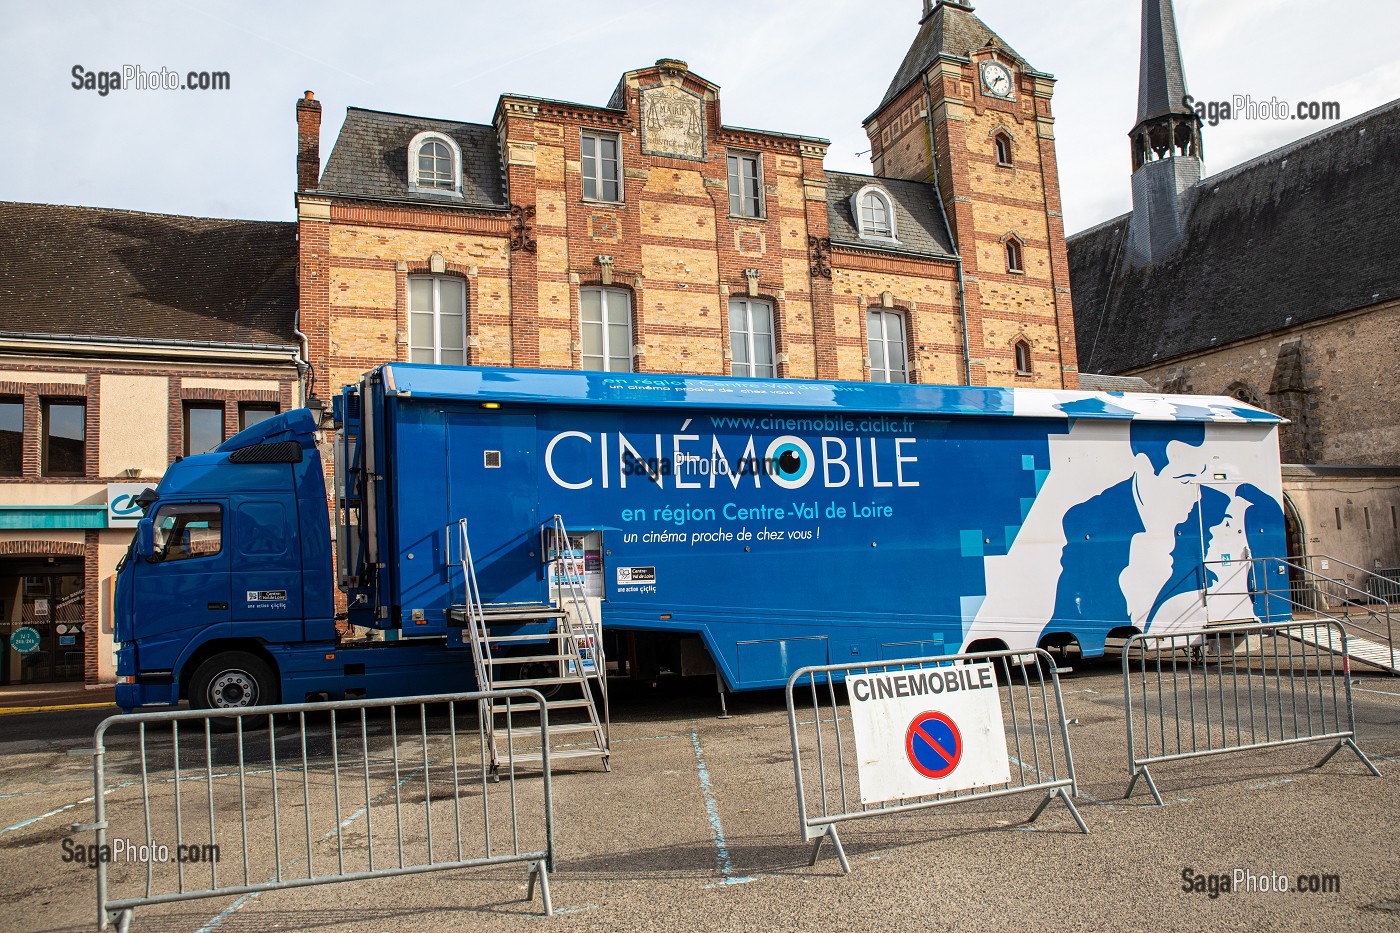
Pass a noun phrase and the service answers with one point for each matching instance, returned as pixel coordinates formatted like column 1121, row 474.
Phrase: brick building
column 647, row 235
column 1272, row 281
column 128, row 339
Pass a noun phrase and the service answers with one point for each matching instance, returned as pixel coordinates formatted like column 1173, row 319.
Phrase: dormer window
column 434, row 165
column 874, row 214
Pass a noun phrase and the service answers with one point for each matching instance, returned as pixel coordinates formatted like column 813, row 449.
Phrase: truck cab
column 229, row 568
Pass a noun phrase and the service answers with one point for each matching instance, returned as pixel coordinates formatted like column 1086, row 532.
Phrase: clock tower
column 968, row 114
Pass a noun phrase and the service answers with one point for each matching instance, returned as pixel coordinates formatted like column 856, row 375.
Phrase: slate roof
column 1097, row 382
column 97, row 272
column 370, row 159
column 919, row 225
column 1296, row 235
column 949, row 30
column 1161, row 80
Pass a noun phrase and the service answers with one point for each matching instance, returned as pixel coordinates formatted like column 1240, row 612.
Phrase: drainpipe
column 957, row 254
column 305, row 371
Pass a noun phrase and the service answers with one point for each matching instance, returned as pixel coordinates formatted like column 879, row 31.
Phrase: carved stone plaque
column 673, row 123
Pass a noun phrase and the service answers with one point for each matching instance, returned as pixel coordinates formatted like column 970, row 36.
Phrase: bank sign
column 122, row 510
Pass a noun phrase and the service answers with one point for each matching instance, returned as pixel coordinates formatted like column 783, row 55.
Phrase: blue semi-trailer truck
column 777, row 523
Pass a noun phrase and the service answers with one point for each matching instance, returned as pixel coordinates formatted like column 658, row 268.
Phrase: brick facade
column 944, row 132
column 673, row 246
column 156, row 420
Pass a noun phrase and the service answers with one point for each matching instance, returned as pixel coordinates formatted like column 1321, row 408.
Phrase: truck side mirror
column 145, row 540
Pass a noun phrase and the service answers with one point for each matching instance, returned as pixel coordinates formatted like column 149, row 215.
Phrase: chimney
column 308, row 142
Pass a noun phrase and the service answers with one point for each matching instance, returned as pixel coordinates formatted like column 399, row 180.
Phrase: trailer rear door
column 492, row 482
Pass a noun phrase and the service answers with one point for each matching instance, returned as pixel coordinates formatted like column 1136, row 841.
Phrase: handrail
column 559, row 544
column 1311, row 576
column 476, row 628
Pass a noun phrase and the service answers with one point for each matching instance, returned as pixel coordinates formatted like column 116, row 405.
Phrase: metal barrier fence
column 1037, row 740
column 1236, row 688
column 206, row 803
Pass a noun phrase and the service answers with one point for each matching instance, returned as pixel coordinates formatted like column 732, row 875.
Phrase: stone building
column 645, row 234
column 1274, row 281
column 128, row 339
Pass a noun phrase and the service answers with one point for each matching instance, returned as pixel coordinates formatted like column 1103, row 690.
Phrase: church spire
column 1166, row 141
column 1161, row 79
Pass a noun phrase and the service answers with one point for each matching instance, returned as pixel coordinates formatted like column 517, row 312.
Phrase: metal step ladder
column 565, row 663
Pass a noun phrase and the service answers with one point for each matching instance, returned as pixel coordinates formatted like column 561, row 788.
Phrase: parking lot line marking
column 6, row 710
column 722, row 859
column 218, row 919
column 1384, row 693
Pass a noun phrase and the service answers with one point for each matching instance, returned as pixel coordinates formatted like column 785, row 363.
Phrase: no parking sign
column 927, row 731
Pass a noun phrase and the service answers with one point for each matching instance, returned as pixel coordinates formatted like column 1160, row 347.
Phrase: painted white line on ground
column 722, row 859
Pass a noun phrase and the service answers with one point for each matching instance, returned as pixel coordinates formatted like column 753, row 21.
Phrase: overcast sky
column 816, row 68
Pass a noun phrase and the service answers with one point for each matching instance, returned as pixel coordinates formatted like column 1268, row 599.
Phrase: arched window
column 1002, row 142
column 1023, row 358
column 874, row 213
column 434, row 164
column 1014, row 257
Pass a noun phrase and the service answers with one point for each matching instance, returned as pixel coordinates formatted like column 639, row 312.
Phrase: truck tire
column 233, row 680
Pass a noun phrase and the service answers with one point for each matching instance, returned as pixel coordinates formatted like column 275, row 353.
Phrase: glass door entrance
column 41, row 620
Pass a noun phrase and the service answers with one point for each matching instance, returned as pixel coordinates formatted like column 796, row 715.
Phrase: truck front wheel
column 233, row 680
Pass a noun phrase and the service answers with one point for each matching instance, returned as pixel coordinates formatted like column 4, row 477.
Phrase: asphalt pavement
column 695, row 828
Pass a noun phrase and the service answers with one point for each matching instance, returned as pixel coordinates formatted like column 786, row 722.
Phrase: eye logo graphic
column 790, row 462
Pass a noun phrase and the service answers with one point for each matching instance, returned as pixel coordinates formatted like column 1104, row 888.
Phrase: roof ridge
column 1101, row 224
column 129, row 210
column 1289, row 148
column 908, row 181
column 418, row 116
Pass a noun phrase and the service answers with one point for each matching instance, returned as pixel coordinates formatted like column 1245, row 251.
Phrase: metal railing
column 206, row 803
column 471, row 603
column 1236, row 688
column 825, row 762
column 1272, row 589
column 583, row 625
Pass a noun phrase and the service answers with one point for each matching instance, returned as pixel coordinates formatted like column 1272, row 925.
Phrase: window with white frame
column 751, row 337
column 874, row 213
column 745, row 185
column 602, row 167
column 434, row 164
column 885, row 333
column 437, row 320
column 607, row 329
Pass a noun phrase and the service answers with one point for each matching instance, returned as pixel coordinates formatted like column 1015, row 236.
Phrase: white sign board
column 122, row 510
column 927, row 731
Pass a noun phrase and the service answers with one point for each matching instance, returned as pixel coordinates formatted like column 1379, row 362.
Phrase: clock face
column 996, row 78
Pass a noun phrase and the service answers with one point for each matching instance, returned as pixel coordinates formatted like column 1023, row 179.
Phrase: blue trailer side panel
column 791, row 521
